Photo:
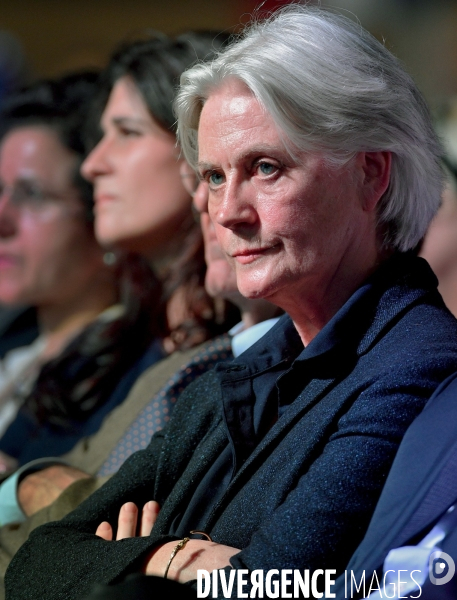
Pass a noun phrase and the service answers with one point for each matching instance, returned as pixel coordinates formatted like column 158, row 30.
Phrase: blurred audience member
column 93, row 323
column 440, row 245
column 141, row 203
column 142, row 173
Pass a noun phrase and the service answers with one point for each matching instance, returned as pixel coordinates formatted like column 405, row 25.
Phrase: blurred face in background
column 47, row 249
column 140, row 200
column 220, row 278
column 440, row 246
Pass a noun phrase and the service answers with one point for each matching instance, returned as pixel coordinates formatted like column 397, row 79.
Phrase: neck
column 169, row 251
column 62, row 321
column 256, row 311
column 310, row 312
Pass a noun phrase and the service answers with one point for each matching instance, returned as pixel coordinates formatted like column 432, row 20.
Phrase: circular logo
column 441, row 567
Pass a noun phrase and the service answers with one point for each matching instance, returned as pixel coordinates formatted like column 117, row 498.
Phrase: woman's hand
column 196, row 554
column 128, row 522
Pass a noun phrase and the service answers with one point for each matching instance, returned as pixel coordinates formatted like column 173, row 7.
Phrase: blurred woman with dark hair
column 141, row 204
column 89, row 312
column 143, row 218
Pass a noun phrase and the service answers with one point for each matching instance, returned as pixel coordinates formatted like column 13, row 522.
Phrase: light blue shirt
column 414, row 561
column 10, row 510
column 242, row 339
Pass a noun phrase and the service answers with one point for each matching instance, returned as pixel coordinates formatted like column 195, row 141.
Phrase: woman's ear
column 188, row 176
column 376, row 168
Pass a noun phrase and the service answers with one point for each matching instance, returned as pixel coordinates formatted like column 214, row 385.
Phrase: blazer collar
column 392, row 288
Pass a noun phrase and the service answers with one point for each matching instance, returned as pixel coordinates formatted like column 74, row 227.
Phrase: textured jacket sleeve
column 12, row 536
column 46, row 557
column 66, row 557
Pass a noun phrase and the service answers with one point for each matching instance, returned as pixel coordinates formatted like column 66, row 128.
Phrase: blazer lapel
column 212, row 445
column 440, row 495
column 422, row 483
column 315, row 392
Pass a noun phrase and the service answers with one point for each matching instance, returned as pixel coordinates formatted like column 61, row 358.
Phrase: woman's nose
column 96, row 162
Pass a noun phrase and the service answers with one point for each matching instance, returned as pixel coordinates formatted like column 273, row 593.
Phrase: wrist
column 179, row 546
column 157, row 559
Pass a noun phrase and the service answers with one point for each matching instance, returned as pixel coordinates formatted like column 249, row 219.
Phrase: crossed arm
column 41, row 488
column 196, row 554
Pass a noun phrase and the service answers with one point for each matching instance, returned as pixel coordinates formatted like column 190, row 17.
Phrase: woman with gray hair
column 322, row 170
column 331, row 87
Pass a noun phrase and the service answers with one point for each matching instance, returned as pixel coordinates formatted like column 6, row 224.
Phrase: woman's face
column 140, row 201
column 47, row 251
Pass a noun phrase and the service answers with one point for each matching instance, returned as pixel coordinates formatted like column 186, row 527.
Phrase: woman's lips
column 101, row 199
column 247, row 256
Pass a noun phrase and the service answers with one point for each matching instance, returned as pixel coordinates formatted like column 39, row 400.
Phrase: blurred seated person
column 317, row 191
column 440, row 244
column 142, row 208
column 142, row 205
column 93, row 324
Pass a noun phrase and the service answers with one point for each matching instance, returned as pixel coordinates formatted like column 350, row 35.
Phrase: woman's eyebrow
column 129, row 120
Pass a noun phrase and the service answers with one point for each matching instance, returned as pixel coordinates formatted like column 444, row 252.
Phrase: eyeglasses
column 28, row 195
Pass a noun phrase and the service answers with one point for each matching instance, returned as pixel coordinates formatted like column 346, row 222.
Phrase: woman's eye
column 129, row 132
column 266, row 168
column 216, row 178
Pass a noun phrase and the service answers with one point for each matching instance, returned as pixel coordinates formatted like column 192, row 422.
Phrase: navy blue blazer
column 304, row 493
column 417, row 492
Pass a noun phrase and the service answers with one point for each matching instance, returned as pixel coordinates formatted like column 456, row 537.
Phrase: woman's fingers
column 128, row 518
column 128, row 522
column 105, row 531
column 148, row 517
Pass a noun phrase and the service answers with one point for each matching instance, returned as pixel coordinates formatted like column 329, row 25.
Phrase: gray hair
column 331, row 87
